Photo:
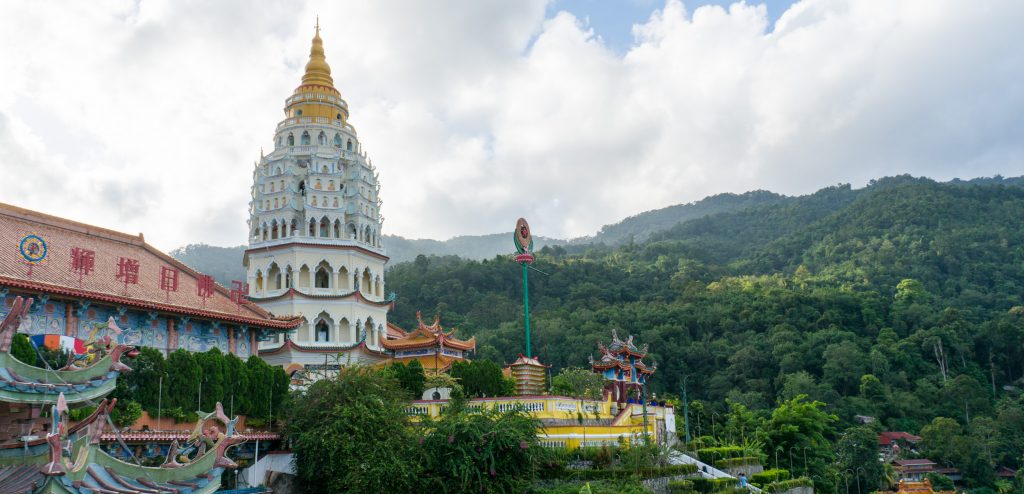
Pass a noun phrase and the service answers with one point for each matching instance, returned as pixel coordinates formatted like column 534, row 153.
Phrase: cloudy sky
column 148, row 115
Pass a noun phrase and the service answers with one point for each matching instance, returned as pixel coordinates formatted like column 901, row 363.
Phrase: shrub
column 627, row 473
column 785, row 485
column 711, row 455
column 680, row 487
column 126, row 413
column 768, row 476
column 705, row 486
column 738, row 462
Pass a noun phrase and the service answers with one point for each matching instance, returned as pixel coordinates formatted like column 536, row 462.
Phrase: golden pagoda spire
column 317, row 70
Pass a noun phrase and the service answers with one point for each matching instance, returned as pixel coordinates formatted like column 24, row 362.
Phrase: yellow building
column 603, row 422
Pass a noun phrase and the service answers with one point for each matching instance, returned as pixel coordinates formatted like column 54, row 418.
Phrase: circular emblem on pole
column 523, row 237
column 33, row 248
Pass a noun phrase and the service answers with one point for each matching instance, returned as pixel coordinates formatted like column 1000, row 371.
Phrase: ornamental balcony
column 332, row 122
column 254, row 242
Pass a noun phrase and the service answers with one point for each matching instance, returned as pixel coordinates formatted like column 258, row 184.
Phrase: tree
column 410, row 377
column 804, row 428
column 857, row 452
column 21, row 349
column 579, row 383
column 941, row 440
column 182, row 383
column 350, row 434
column 480, row 378
column 486, row 451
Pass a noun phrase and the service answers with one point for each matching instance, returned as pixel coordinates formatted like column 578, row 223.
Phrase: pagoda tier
column 528, row 373
column 434, row 347
column 622, row 365
column 66, row 458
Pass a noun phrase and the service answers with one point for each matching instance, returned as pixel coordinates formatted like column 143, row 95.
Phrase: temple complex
column 87, row 280
column 315, row 250
column 572, row 422
column 40, row 454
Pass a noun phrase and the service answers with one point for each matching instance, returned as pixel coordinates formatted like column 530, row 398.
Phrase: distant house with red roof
column 892, row 442
column 913, row 469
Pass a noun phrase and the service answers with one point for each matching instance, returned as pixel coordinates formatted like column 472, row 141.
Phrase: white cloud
column 147, row 116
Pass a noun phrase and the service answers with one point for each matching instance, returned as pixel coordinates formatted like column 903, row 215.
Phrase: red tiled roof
column 914, row 462
column 887, row 438
column 55, row 276
column 293, row 293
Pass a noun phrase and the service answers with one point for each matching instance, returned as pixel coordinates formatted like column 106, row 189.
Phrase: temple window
column 335, row 202
column 272, row 186
column 305, row 138
column 323, row 332
column 321, row 139
column 317, row 185
column 282, row 186
column 325, row 169
column 291, row 140
column 337, row 138
column 349, row 145
column 314, row 201
column 337, row 117
column 330, row 185
column 298, row 113
column 275, row 203
column 323, row 278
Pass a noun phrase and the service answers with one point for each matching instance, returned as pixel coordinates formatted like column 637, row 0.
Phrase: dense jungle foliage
column 899, row 301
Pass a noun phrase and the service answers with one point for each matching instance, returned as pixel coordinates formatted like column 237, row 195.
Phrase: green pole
column 526, row 307
column 686, row 412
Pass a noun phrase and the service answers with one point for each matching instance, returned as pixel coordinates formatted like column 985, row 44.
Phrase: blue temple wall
column 138, row 327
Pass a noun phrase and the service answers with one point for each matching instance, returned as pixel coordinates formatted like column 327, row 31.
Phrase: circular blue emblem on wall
column 33, row 248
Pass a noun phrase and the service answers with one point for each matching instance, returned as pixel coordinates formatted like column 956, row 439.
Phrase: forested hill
column 901, row 300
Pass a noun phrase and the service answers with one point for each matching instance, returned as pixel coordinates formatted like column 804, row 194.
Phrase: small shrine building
column 435, row 348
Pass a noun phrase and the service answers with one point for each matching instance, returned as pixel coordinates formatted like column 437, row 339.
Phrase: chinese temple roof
column 54, row 275
column 623, row 355
column 431, row 336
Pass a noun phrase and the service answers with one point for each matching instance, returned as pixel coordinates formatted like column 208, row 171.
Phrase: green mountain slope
column 915, row 283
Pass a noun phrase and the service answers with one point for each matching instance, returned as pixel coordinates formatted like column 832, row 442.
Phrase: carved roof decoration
column 429, row 336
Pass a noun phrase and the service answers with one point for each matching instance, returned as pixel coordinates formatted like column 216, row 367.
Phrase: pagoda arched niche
column 323, row 275
column 346, row 331
column 377, row 286
column 351, row 230
column 304, row 277
column 258, row 283
column 274, row 279
column 365, row 284
column 325, row 227
column 323, row 327
column 337, row 224
column 343, row 279
column 312, row 227
column 371, row 334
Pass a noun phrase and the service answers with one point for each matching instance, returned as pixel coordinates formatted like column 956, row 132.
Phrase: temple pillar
column 172, row 336
column 70, row 324
column 231, row 341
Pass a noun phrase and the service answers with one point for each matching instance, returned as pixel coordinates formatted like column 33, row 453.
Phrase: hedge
column 711, row 455
column 681, row 487
column 768, row 476
column 627, row 473
column 785, row 485
column 706, row 486
column 738, row 462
